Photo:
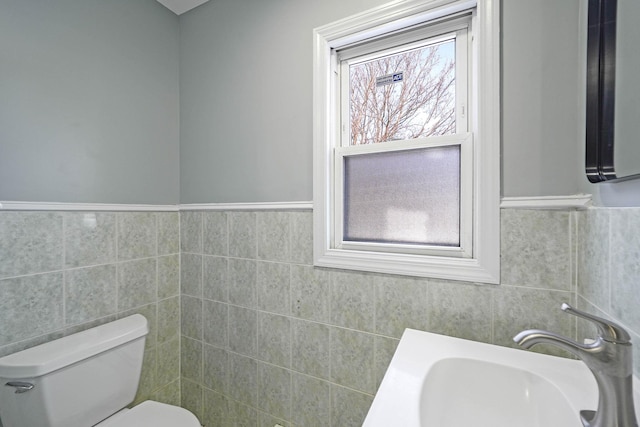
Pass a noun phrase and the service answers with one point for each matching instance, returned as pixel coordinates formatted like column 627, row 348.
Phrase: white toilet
column 82, row 380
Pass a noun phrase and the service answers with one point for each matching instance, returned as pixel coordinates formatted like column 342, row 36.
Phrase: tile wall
column 62, row 272
column 608, row 268
column 268, row 338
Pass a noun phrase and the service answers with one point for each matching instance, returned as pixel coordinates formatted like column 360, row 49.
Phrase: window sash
column 456, row 29
column 465, row 250
column 453, row 29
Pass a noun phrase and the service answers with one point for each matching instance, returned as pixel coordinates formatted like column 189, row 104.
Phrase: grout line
column 117, row 266
column 180, row 335
column 492, row 316
column 609, row 303
column 201, row 279
column 64, row 274
column 157, row 257
column 573, row 267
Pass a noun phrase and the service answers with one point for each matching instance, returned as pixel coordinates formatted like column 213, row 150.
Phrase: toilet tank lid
column 53, row 355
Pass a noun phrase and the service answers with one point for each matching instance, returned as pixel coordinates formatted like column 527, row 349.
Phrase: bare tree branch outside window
column 421, row 105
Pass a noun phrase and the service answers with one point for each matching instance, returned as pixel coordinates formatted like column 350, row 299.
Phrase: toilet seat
column 152, row 414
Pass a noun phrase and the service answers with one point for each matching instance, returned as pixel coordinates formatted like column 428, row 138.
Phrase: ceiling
column 181, row 6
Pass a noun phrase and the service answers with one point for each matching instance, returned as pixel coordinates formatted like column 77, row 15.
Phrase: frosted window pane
column 407, row 95
column 410, row 197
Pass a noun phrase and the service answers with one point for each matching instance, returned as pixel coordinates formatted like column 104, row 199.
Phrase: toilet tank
column 77, row 380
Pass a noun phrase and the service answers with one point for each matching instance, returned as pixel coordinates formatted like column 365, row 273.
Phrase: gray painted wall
column 543, row 104
column 91, row 111
column 541, row 89
column 246, row 98
column 89, row 104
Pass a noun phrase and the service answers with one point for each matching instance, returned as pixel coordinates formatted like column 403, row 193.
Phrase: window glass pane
column 410, row 197
column 406, row 95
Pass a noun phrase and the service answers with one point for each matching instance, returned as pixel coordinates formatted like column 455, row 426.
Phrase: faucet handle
column 607, row 330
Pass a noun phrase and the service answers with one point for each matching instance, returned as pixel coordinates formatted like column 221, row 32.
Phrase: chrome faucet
column 610, row 360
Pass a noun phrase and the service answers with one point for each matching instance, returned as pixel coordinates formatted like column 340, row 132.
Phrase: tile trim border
column 257, row 206
column 577, row 201
column 92, row 207
column 57, row 206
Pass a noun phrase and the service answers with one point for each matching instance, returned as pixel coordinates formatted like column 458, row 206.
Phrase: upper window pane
column 403, row 95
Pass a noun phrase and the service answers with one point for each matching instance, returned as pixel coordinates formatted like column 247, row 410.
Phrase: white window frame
column 482, row 264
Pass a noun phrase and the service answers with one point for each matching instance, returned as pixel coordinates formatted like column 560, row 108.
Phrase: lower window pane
column 406, row 197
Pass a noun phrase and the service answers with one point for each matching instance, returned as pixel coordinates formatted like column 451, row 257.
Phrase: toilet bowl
column 151, row 414
column 82, row 380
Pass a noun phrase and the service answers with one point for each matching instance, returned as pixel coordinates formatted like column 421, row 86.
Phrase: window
column 406, row 144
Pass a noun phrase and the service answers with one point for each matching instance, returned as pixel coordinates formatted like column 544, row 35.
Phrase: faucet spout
column 610, row 360
column 531, row 337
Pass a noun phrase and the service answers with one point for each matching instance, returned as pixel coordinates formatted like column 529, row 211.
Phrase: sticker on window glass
column 389, row 79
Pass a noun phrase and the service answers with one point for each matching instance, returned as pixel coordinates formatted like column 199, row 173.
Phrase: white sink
column 439, row 381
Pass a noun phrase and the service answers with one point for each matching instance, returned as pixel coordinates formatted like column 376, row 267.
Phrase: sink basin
column 439, row 381
column 490, row 394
